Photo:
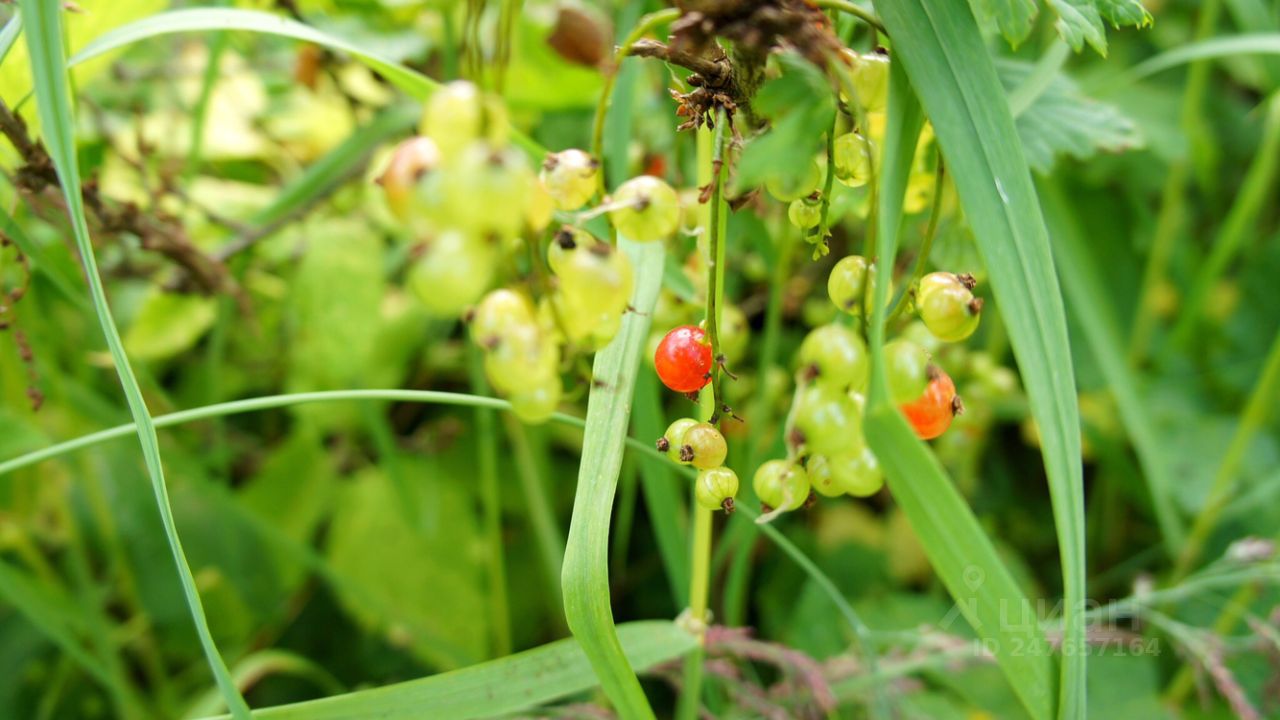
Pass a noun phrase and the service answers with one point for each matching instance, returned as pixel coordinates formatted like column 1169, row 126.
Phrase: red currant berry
column 930, row 414
column 683, row 359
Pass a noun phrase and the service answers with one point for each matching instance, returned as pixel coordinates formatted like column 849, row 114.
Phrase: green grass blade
column 943, row 52
column 1219, row 47
column 9, row 35
column 413, row 83
column 49, row 75
column 586, row 560
column 1084, row 287
column 953, row 540
column 499, row 687
column 253, row 668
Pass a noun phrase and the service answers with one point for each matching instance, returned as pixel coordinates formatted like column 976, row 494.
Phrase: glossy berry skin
column 789, row 189
column 835, row 356
column 705, row 446
column 947, row 306
column 857, row 473
column 805, row 213
column 847, row 283
column 645, row 209
column 907, row 367
column 570, row 177
column 683, row 359
column 781, row 485
column 930, row 414
column 852, row 154
column 820, row 478
column 672, row 440
column 714, row 487
column 412, row 160
column 828, row 419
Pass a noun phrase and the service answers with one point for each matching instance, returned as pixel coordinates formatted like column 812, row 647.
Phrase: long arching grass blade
column 49, row 75
column 585, row 577
column 954, row 542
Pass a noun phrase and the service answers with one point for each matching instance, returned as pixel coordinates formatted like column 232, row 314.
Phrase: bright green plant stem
column 49, row 77
column 646, row 25
column 710, row 171
column 853, row 9
column 584, row 579
column 491, row 504
column 1171, row 219
column 1257, row 410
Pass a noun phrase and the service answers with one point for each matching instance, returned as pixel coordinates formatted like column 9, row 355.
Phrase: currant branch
column 715, row 270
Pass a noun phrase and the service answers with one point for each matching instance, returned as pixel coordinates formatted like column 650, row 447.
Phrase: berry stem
column 715, row 263
column 926, row 246
column 829, row 182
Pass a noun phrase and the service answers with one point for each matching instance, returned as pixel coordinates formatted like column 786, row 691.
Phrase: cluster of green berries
column 468, row 198
column 855, row 151
column 701, row 445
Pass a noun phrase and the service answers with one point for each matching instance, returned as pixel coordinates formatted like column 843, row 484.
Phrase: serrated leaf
column 1015, row 18
column 1078, row 23
column 1121, row 13
column 1062, row 120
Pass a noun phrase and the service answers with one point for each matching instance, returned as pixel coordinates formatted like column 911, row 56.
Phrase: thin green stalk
column 1184, row 681
column 1172, row 212
column 710, row 170
column 1041, row 76
column 1256, row 412
column 857, row 11
column 700, row 577
column 926, row 246
column 646, row 24
column 49, row 77
column 1255, row 195
column 530, row 467
column 491, row 502
column 200, row 113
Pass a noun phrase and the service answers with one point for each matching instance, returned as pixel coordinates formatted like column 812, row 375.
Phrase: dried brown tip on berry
column 810, row 372
column 975, row 306
column 933, row 372
column 957, row 406
column 811, row 500
column 663, row 444
column 728, row 506
column 765, row 509
column 693, row 396
column 686, row 453
column 795, row 438
column 564, row 238
column 593, row 163
column 641, row 203
column 469, row 315
column 551, row 162
column 601, row 249
column 967, row 280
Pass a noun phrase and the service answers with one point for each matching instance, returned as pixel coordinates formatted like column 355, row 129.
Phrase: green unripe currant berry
column 715, row 488
column 521, row 356
column 788, row 189
column 907, row 368
column 852, row 155
column 947, row 306
column 672, row 441
column 835, row 356
column 571, row 177
column 536, row 403
column 847, row 283
column 820, row 478
column 857, row 473
column 827, row 419
column 645, row 209
column 459, row 113
column 484, row 179
column 781, row 485
column 497, row 313
column 542, row 207
column 805, row 213
column 871, row 80
column 411, row 161
column 704, row 446
column 452, row 273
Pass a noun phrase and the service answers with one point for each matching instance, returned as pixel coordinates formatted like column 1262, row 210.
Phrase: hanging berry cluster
column 474, row 204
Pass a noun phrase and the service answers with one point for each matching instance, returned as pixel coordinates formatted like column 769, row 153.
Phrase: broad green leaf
column 1087, row 295
column 585, row 576
column 1063, row 121
column 961, row 554
column 496, row 688
column 371, row 543
column 1078, row 23
column 943, row 53
column 1015, row 18
column 44, row 37
column 168, row 324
